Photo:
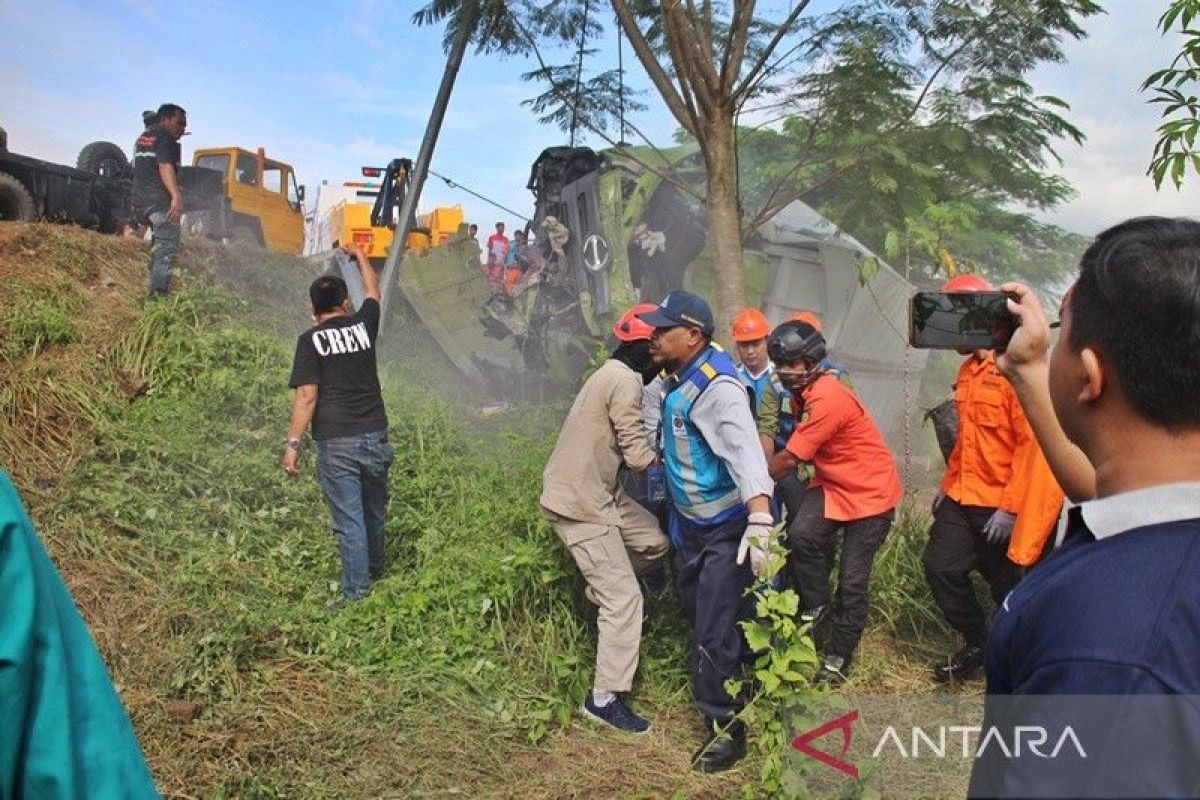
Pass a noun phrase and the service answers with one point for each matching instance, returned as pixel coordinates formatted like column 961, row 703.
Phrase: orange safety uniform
column 996, row 462
column 851, row 461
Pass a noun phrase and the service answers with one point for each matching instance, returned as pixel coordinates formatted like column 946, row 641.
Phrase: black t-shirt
column 339, row 357
column 155, row 146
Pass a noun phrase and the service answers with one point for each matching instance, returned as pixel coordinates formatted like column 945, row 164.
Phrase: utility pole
column 468, row 18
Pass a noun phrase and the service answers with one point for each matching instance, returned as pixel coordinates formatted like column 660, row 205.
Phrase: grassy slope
column 145, row 439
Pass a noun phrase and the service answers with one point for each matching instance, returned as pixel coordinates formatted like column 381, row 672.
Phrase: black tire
column 105, row 159
column 16, row 203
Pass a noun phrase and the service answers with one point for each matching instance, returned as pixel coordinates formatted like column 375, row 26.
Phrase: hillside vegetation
column 145, row 436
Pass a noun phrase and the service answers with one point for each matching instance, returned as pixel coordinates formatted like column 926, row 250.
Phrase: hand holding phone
column 961, row 321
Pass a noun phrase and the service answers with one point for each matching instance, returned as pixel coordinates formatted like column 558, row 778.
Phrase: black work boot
column 961, row 665
column 833, row 671
column 722, row 750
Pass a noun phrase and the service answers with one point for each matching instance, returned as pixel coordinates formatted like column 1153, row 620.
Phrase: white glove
column 999, row 526
column 759, row 531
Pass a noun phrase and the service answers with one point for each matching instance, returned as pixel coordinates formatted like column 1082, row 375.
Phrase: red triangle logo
column 845, row 724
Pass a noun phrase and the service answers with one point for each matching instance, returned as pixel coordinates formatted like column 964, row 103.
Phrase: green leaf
column 868, row 268
column 758, row 636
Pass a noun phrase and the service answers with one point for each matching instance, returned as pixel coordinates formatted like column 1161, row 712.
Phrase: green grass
column 204, row 572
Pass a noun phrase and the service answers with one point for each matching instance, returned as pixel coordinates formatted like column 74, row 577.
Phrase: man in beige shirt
column 612, row 538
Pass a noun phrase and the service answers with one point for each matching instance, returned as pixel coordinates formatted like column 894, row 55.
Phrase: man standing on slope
column 720, row 493
column 612, row 538
column 156, row 197
column 336, row 380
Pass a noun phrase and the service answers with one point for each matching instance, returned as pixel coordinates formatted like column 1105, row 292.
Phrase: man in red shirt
column 855, row 487
column 497, row 252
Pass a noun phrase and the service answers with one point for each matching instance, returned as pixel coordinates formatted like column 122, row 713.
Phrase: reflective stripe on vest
column 699, row 482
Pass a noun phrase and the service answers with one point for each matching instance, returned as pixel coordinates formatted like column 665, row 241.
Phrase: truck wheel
column 105, row 159
column 16, row 204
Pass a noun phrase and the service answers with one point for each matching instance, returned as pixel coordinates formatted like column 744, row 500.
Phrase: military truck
column 95, row 192
column 619, row 227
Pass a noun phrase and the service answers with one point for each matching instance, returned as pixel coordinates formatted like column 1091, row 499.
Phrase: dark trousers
column 711, row 585
column 790, row 490
column 809, row 537
column 957, row 545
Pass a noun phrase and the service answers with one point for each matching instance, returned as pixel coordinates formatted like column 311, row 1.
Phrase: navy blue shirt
column 1115, row 612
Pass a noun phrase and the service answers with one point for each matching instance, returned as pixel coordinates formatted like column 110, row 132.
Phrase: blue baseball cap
column 681, row 308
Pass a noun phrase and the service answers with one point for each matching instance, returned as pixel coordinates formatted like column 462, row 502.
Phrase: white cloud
column 1101, row 78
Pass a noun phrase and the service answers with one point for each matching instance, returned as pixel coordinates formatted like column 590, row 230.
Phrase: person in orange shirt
column 994, row 478
column 855, row 487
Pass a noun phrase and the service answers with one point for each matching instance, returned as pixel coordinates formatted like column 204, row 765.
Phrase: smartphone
column 961, row 321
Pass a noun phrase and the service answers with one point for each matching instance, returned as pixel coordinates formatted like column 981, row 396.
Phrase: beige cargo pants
column 610, row 559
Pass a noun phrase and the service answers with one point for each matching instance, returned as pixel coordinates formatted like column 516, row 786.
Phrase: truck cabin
column 265, row 199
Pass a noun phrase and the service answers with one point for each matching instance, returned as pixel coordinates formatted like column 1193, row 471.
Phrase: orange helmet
column 750, row 325
column 967, row 283
column 631, row 327
column 809, row 318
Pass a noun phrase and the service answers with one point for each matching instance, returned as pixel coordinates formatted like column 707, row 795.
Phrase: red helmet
column 750, row 325
column 967, row 283
column 631, row 327
column 808, row 317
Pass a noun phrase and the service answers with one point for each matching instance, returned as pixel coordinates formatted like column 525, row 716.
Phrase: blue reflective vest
column 699, row 483
column 757, row 385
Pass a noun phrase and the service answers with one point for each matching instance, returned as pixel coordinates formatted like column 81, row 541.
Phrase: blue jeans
column 353, row 471
column 164, row 247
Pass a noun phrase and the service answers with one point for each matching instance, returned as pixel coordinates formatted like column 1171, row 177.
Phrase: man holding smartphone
column 979, row 499
column 1108, row 625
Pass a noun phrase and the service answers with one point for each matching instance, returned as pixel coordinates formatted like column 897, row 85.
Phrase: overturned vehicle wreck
column 610, row 230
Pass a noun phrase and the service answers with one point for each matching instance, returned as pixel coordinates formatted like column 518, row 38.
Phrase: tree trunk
column 724, row 225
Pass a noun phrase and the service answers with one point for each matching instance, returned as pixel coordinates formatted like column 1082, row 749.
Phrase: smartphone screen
column 960, row 321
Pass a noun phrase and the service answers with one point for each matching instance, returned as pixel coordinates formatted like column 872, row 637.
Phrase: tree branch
column 739, row 36
column 703, row 30
column 689, row 58
column 619, row 146
column 945, row 61
column 743, row 88
column 694, row 92
column 658, row 76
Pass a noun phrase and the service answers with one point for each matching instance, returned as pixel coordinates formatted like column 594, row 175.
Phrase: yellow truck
column 265, row 201
column 364, row 213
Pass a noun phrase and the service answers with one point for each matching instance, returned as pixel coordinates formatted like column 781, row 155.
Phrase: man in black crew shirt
column 156, row 197
column 337, row 390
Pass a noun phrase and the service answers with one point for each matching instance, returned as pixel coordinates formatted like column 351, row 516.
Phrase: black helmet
column 793, row 341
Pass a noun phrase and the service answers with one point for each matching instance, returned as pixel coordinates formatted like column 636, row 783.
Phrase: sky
column 332, row 86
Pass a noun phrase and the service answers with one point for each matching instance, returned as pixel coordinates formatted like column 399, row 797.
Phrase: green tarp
column 63, row 730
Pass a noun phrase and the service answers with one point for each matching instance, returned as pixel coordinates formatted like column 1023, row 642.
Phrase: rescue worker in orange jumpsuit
column 995, row 467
